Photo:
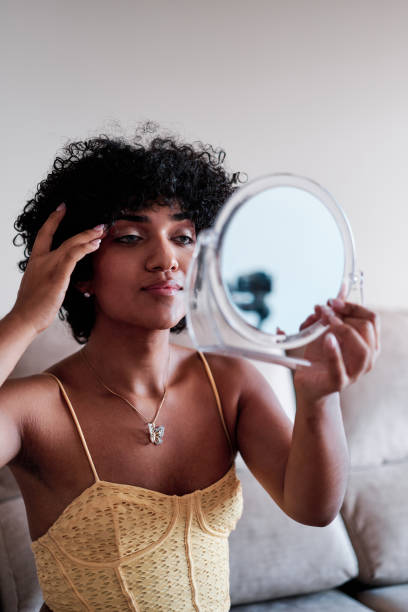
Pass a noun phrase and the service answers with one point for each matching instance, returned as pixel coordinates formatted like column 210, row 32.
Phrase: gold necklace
column 156, row 433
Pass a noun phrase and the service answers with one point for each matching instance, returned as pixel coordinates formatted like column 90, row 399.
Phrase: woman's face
column 140, row 268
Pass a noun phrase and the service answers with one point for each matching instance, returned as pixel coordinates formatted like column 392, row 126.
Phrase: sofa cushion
column 386, row 599
column 375, row 513
column 52, row 345
column 375, row 408
column 375, row 416
column 19, row 588
column 325, row 601
column 8, row 486
column 272, row 556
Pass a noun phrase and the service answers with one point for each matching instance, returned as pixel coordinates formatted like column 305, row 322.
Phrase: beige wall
column 314, row 87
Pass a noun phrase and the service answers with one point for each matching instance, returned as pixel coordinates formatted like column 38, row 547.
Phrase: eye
column 128, row 239
column 184, row 239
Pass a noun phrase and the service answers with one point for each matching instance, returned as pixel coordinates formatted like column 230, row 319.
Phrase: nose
column 162, row 257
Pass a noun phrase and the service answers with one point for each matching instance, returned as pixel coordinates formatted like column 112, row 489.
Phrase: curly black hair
column 102, row 176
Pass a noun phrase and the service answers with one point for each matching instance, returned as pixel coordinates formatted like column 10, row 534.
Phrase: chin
column 154, row 317
column 164, row 322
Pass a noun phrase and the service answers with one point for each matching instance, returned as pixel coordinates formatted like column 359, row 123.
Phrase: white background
column 318, row 88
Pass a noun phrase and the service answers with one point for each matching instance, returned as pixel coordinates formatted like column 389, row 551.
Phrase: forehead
column 147, row 214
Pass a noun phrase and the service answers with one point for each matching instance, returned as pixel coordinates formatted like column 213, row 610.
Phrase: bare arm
column 40, row 296
column 10, row 437
column 317, row 468
column 302, row 466
column 306, row 469
column 15, row 337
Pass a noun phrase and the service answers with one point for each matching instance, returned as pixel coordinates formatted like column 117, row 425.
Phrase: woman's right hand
column 46, row 278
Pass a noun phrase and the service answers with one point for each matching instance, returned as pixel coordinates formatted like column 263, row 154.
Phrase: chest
column 114, row 439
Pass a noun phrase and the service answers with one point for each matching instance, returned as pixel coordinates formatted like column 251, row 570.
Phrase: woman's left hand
column 346, row 351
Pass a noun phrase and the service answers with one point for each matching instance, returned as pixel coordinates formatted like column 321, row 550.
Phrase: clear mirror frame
column 213, row 323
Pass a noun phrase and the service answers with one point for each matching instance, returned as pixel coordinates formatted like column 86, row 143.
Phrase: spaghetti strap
column 217, row 398
column 78, row 426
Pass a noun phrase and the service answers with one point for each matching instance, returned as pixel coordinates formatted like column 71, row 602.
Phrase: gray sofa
column 359, row 562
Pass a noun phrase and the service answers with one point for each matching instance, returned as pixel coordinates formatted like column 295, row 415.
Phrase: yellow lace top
column 122, row 547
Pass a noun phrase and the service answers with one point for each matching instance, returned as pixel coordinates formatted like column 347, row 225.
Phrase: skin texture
column 304, row 468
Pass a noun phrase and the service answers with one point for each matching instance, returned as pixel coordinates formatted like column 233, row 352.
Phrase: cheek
column 112, row 272
column 184, row 260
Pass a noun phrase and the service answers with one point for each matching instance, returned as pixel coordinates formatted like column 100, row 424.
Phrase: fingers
column 77, row 252
column 358, row 354
column 367, row 332
column 342, row 293
column 348, row 310
column 71, row 244
column 74, row 246
column 74, row 249
column 46, row 233
column 313, row 318
column 334, row 357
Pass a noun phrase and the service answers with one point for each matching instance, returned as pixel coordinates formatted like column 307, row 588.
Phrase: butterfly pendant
column 156, row 433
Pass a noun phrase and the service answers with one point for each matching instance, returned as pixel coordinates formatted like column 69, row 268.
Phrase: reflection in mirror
column 281, row 254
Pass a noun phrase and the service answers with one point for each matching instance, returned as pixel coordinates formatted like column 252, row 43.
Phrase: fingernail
column 100, row 227
column 336, row 303
column 61, row 206
column 96, row 242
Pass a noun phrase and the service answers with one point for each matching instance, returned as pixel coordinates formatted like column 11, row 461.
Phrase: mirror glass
column 281, row 253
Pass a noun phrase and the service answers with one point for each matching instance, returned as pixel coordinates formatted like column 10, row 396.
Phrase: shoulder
column 233, row 376
column 25, row 398
column 228, row 373
column 236, row 375
column 221, row 364
column 239, row 368
column 28, row 389
column 22, row 402
column 187, row 357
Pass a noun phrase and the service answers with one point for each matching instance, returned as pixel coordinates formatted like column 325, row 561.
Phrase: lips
column 166, row 288
column 164, row 285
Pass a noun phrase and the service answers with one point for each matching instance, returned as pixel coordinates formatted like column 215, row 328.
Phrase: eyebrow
column 145, row 219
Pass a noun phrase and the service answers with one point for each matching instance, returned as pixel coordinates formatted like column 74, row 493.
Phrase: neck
column 130, row 360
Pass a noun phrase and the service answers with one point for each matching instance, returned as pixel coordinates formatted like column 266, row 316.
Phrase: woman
column 124, row 451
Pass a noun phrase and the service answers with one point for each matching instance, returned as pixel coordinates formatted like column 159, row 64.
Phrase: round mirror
column 281, row 254
column 279, row 246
